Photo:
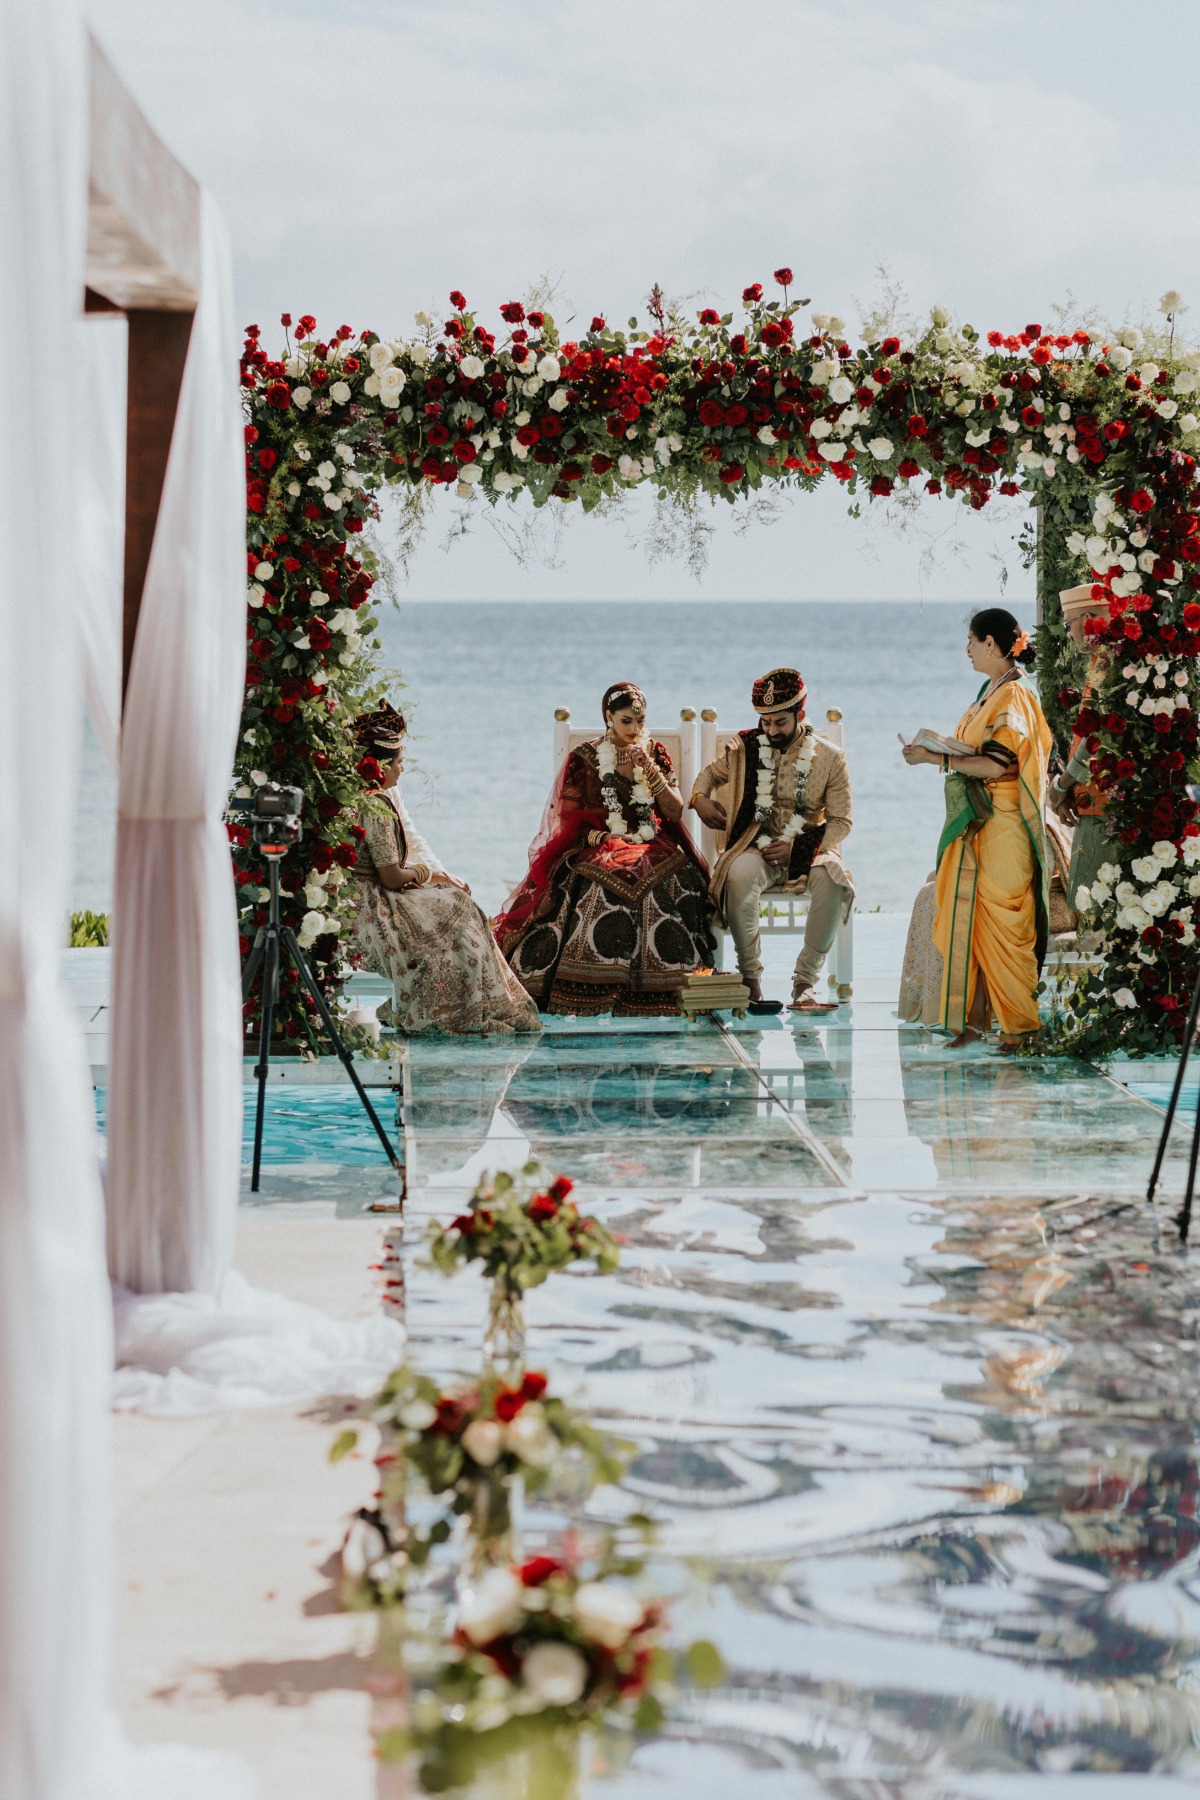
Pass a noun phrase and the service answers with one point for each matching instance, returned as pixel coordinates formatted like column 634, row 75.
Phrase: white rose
column 556, row 1673
column 1164, row 851
column 483, row 1440
column 491, row 1607
column 1166, row 409
column 841, row 389
column 391, row 386
column 1083, row 899
column 549, row 368
column 1149, row 371
column 1125, row 997
column 832, row 452
column 1188, row 422
column 423, row 319
column 418, row 1415
column 836, row 325
column 363, row 1545
column 765, row 435
column 881, row 449
column 1172, row 302
column 1130, row 336
column 333, row 502
column 421, row 354
column 606, row 1614
column 940, row 315
column 557, row 400
column 1120, row 358
column 371, row 387
column 314, row 897
column 339, row 393
column 472, row 367
column 381, row 357
column 530, row 1438
column 1185, row 381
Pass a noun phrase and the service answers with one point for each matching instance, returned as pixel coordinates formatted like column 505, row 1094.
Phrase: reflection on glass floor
column 911, row 1369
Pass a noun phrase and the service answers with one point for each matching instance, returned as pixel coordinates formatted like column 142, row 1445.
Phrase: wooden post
column 158, row 345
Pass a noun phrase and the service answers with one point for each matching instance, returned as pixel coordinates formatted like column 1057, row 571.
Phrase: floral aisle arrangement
column 553, row 1642
column 1099, row 429
column 522, row 1229
column 469, row 1442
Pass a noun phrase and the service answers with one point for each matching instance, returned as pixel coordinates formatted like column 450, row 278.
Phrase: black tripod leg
column 252, row 962
column 1176, row 1090
column 1185, row 1212
column 335, row 1037
column 269, row 989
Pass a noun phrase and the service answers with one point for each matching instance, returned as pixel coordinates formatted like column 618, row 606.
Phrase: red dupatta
column 560, row 830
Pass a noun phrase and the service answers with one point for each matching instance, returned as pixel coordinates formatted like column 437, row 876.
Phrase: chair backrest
column 713, row 742
column 679, row 741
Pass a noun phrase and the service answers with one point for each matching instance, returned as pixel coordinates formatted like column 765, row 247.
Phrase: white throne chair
column 692, row 745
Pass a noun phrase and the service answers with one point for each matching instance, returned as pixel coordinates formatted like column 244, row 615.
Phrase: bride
column 414, row 923
column 613, row 914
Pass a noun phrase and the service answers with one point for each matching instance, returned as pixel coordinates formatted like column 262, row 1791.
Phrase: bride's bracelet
column 421, row 872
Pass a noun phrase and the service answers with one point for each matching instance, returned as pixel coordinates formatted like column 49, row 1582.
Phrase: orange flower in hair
column 1020, row 644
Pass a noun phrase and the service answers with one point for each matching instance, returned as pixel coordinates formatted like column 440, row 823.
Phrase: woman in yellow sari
column 991, row 920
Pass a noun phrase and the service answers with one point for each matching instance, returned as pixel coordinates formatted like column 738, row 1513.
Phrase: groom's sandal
column 762, row 1007
column 805, row 1001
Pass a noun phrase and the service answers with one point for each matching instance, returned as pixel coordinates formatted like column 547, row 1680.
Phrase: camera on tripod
column 274, row 815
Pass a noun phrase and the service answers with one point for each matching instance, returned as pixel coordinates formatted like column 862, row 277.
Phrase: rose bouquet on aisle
column 470, row 1442
column 553, row 1642
column 522, row 1229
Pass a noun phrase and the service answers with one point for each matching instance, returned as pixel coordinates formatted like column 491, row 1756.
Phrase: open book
column 940, row 746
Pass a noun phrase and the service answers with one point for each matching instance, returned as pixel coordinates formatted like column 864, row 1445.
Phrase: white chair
column 782, row 915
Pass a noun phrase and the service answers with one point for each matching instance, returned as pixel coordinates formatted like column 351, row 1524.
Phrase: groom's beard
column 779, row 742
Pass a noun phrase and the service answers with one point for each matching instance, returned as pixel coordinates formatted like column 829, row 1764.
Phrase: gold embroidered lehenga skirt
column 436, row 947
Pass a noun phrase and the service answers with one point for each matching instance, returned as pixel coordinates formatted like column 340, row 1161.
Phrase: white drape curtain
column 55, row 1347
column 99, row 437
column 175, row 1069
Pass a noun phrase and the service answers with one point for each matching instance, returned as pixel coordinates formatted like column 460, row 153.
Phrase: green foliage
column 89, row 931
column 522, row 1229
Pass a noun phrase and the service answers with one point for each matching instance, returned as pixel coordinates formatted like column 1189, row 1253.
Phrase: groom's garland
column 641, row 798
column 767, row 780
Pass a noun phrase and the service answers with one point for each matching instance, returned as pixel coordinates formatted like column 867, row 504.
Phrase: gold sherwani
column 742, row 874
column 827, row 801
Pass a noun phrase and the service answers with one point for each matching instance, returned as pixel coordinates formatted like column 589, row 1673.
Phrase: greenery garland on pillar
column 1100, row 434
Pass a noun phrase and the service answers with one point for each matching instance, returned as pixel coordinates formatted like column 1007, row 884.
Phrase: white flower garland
column 642, row 798
column 768, row 774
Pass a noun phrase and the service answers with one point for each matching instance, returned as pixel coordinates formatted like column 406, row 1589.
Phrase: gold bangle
column 421, row 872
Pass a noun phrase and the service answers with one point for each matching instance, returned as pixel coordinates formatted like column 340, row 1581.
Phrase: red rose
column 732, row 472
column 437, row 433
column 279, row 395
column 458, row 301
column 1141, row 501
column 890, row 346
column 537, row 320
column 881, row 486
column 1191, row 615
column 571, row 471
column 528, row 434
column 551, row 425
column 908, row 468
column 369, row 769
column 1030, row 416
column 267, row 459
column 1009, row 487
column 710, row 316
column 543, row 1207
column 560, row 1187
column 307, row 324
column 737, row 344
column 752, row 293
column 539, row 1569
column 598, row 323
column 735, row 414
column 995, row 339
column 346, row 855
column 1041, row 355
column 512, row 312
column 534, row 1385
column 784, row 277
column 464, row 450
column 319, row 635
column 508, row 1404
column 772, row 334
column 452, row 329
column 711, row 413
column 602, row 464
column 321, row 857
column 328, row 808
column 261, row 649
column 1033, row 332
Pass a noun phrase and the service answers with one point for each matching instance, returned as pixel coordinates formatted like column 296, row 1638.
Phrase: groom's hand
column 710, row 811
column 778, row 854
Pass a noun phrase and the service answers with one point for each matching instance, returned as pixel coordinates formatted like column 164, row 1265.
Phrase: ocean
column 480, row 682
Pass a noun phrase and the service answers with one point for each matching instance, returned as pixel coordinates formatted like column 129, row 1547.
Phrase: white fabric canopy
column 175, row 1072
column 100, row 441
column 55, row 1345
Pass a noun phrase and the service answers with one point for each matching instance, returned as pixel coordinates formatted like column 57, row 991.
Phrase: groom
column 786, row 814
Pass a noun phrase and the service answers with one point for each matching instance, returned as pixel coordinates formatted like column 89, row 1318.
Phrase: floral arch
column 1098, row 434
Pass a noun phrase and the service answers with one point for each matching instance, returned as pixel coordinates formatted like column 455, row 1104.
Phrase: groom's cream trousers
column 750, row 875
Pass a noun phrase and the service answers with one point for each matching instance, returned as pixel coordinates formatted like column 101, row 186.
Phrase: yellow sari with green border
column 992, row 877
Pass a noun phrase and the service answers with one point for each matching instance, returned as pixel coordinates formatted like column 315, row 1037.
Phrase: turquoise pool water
column 323, row 1123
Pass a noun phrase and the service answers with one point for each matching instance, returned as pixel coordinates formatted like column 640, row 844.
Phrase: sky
column 1000, row 157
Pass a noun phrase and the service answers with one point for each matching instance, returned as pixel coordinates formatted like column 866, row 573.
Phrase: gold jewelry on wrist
column 421, row 872
column 596, row 838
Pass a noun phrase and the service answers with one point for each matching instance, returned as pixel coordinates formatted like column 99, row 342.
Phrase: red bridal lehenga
column 614, row 926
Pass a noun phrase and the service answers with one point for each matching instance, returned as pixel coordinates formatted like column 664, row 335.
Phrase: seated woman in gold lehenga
column 415, row 924
column 613, row 915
